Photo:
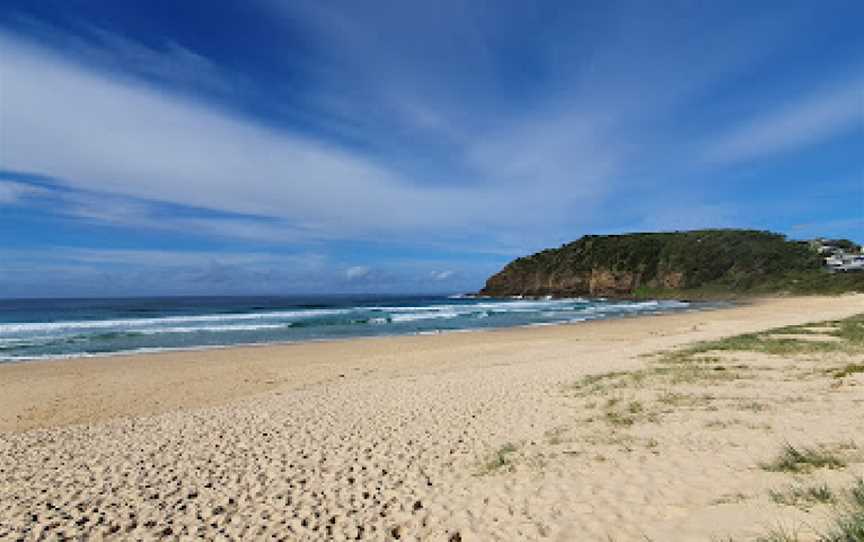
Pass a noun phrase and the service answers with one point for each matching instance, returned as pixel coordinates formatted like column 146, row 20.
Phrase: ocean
column 59, row 328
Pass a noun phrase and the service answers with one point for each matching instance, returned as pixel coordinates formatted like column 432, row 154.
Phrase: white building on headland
column 845, row 262
column 843, row 258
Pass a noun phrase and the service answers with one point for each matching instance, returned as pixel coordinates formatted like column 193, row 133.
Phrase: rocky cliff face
column 621, row 265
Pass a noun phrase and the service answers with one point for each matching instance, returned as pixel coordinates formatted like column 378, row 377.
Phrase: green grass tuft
column 779, row 535
column 803, row 497
column 857, row 493
column 795, row 460
column 849, row 370
column 850, row 331
column 849, row 525
column 501, row 459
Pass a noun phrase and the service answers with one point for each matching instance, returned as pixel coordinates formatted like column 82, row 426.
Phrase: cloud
column 109, row 136
column 134, row 213
column 13, row 192
column 112, row 136
column 441, row 275
column 809, row 120
column 357, row 272
column 167, row 62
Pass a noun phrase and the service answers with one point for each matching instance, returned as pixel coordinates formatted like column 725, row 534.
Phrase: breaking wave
column 70, row 332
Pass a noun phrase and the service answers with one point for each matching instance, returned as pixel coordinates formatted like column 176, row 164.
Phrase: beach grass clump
column 676, row 399
column 730, row 498
column 849, row 524
column 849, row 528
column 596, row 382
column 799, row 460
column 616, row 417
column 621, row 413
column 779, row 535
column 857, row 494
column 849, row 370
column 502, row 458
column 803, row 329
column 678, row 373
column 722, row 424
column 753, row 406
column 803, row 497
column 851, row 330
column 605, row 382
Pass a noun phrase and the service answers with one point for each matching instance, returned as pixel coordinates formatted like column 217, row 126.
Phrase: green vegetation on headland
column 814, row 282
column 702, row 264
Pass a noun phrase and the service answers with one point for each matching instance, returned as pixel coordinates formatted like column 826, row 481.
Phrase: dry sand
column 474, row 436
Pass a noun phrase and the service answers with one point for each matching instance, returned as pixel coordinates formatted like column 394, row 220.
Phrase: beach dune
column 569, row 432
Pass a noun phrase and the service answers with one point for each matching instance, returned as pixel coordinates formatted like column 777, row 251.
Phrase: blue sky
column 267, row 146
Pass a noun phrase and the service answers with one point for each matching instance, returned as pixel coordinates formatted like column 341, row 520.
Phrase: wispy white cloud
column 140, row 215
column 14, row 192
column 308, row 261
column 167, row 63
column 441, row 275
column 109, row 136
column 809, row 120
column 132, row 213
column 357, row 272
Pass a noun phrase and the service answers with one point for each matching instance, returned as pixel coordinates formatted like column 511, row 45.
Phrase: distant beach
column 664, row 427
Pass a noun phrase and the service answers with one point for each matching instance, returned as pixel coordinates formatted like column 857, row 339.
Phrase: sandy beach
column 608, row 430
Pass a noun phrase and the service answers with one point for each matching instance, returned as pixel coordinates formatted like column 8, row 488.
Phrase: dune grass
column 850, row 331
column 700, row 363
column 849, row 524
column 703, row 363
column 502, row 458
column 626, row 414
column 803, row 496
column 800, row 460
column 849, row 370
column 779, row 535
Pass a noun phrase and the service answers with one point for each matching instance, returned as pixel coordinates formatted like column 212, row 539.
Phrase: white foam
column 427, row 308
column 379, row 320
column 138, row 322
column 212, row 329
column 412, row 317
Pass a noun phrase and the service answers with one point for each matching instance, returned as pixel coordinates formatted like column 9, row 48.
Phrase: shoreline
column 711, row 305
